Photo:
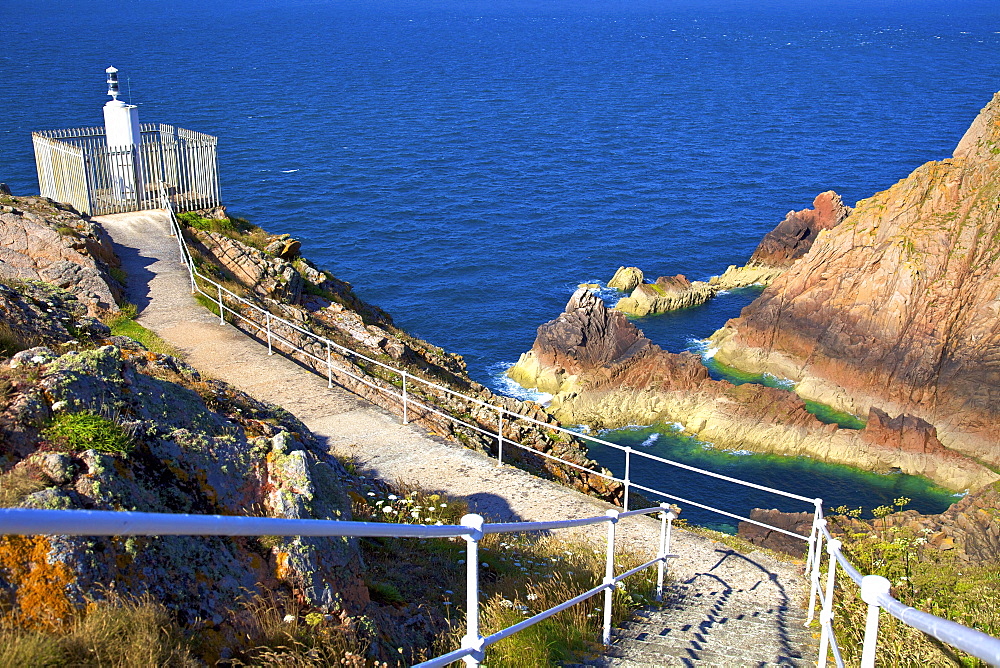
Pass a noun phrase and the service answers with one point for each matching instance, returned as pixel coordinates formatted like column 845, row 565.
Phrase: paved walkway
column 735, row 587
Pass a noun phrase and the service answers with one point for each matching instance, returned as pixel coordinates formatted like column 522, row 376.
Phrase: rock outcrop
column 162, row 439
column 781, row 247
column 46, row 241
column 794, row 236
column 603, row 372
column 897, row 307
column 969, row 530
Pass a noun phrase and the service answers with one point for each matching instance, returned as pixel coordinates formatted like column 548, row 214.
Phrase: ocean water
column 465, row 164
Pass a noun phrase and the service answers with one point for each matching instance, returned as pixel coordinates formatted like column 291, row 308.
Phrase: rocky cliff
column 46, row 241
column 779, row 249
column 605, row 373
column 92, row 421
column 898, row 308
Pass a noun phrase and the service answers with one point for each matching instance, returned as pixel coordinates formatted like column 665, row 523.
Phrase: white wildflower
column 393, row 497
column 289, row 619
column 415, row 514
column 58, row 406
column 507, row 603
column 532, row 597
column 387, row 509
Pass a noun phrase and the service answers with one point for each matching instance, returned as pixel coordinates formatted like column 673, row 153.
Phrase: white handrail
column 31, row 521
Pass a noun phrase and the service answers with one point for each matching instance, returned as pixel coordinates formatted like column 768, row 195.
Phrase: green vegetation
column 831, row 415
column 235, row 228
column 119, row 632
column 123, row 324
column 15, row 486
column 923, row 576
column 89, row 431
column 521, row 576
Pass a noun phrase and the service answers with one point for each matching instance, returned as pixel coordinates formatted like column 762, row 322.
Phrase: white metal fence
column 319, row 353
column 77, row 166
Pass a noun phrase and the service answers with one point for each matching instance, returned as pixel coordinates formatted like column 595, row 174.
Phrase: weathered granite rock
column 43, row 240
column 668, row 293
column 896, row 307
column 626, row 279
column 196, row 447
column 782, row 246
column 798, row 523
column 795, row 235
column 968, row 530
column 605, row 373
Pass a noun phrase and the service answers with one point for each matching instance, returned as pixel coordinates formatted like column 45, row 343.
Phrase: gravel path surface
column 376, row 441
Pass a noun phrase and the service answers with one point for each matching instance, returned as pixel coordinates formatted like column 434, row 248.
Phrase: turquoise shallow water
column 465, row 164
column 836, row 485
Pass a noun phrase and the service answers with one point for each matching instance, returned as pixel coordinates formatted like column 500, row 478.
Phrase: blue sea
column 465, row 164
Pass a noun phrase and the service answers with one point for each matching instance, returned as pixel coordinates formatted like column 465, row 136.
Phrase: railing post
column 222, row 312
column 814, row 571
column 609, row 576
column 817, row 513
column 667, row 517
column 826, row 615
column 403, row 374
column 872, row 586
column 499, row 437
column 472, row 639
column 270, row 350
column 628, row 473
column 329, row 367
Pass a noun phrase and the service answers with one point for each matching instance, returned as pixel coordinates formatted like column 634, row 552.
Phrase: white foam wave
column 506, row 386
column 650, row 440
column 288, row 171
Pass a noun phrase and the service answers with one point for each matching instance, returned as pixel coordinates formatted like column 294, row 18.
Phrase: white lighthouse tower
column 121, row 127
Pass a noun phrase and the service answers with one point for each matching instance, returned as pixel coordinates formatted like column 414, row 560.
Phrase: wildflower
column 532, row 597
column 58, row 406
column 387, row 509
column 415, row 514
column 439, row 523
column 393, row 497
column 444, row 505
column 371, row 493
column 507, row 603
column 289, row 619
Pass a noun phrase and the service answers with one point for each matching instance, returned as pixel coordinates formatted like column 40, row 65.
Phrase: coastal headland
column 887, row 311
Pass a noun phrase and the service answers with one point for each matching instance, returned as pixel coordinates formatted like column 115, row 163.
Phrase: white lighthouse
column 121, row 127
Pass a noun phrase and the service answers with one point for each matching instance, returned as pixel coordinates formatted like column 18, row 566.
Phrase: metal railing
column 472, row 529
column 76, row 166
column 874, row 588
column 875, row 593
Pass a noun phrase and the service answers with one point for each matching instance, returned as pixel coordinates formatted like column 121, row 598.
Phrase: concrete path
column 737, row 585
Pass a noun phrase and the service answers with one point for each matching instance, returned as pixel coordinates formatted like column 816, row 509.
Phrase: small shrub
column 67, row 231
column 118, row 274
column 15, row 485
column 89, row 431
column 117, row 632
column 123, row 324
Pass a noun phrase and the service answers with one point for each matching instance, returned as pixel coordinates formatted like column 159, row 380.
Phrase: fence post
column 872, row 586
column 818, row 503
column 667, row 517
column 222, row 312
column 270, row 351
column 472, row 639
column 628, row 472
column 403, row 374
column 826, row 614
column 814, row 570
column 499, row 437
column 329, row 367
column 609, row 576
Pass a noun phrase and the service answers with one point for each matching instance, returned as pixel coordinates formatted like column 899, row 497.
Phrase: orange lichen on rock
column 38, row 586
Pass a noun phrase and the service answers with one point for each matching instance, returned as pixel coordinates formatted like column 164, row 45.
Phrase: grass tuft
column 89, row 431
